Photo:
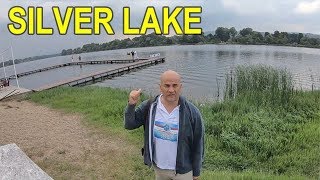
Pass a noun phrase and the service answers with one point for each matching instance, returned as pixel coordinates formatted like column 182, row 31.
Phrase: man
column 174, row 131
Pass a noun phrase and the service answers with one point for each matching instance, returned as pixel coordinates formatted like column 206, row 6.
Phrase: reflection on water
column 203, row 67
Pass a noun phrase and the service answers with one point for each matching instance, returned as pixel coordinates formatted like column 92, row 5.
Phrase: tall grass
column 274, row 85
column 264, row 125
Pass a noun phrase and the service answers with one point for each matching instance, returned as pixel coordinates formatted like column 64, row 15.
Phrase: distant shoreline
column 35, row 58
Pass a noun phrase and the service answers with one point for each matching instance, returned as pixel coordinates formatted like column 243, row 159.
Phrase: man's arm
column 134, row 118
column 198, row 144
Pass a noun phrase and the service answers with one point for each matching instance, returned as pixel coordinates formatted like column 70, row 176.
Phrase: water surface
column 202, row 67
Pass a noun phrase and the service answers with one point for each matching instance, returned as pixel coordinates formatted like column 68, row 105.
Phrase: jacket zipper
column 150, row 133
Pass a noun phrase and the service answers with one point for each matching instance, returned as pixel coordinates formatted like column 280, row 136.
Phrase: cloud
column 249, row 7
column 5, row 6
column 308, row 7
column 269, row 15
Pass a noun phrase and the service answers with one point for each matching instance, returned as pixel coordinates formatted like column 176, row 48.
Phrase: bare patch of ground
column 62, row 144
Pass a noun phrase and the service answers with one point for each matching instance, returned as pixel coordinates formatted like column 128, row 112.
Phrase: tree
column 293, row 38
column 284, row 34
column 64, row 52
column 257, row 37
column 209, row 37
column 299, row 37
column 269, row 39
column 77, row 51
column 276, row 34
column 266, row 34
column 222, row 33
column 233, row 32
column 304, row 41
column 195, row 39
column 246, row 31
column 313, row 41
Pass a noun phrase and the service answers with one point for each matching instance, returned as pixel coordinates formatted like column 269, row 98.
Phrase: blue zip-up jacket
column 190, row 136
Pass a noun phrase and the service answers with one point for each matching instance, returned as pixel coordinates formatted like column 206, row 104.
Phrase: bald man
column 173, row 130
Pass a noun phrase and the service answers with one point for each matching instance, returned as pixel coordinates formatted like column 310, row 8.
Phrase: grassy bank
column 254, row 134
column 103, row 108
column 264, row 125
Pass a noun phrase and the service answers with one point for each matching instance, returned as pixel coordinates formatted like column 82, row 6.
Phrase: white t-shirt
column 165, row 137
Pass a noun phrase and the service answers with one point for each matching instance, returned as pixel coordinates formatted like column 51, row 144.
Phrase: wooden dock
column 8, row 91
column 123, row 61
column 102, row 75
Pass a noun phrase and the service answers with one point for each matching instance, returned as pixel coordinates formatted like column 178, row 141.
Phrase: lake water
column 202, row 67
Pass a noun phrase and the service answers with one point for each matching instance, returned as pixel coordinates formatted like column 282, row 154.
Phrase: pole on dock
column 14, row 67
column 4, row 68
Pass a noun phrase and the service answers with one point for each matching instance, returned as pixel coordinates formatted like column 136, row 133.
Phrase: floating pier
column 102, row 75
column 73, row 64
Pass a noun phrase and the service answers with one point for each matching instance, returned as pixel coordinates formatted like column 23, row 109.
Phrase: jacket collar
column 181, row 100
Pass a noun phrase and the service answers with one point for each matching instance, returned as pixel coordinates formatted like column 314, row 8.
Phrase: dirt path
column 60, row 143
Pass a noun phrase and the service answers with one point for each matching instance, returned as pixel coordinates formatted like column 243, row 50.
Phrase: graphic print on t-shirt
column 166, row 131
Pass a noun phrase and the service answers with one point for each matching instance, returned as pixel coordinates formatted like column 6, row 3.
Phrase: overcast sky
column 268, row 15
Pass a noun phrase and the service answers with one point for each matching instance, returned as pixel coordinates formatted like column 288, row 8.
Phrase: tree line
column 34, row 58
column 221, row 35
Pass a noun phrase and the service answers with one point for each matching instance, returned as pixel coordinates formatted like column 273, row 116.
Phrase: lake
column 202, row 67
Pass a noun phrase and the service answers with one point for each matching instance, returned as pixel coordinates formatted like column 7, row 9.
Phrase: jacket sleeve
column 134, row 118
column 198, row 144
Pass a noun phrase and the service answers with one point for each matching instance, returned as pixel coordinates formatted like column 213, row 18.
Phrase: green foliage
column 142, row 41
column 246, row 31
column 263, row 125
column 246, row 137
column 222, row 34
column 34, row 58
column 103, row 105
column 276, row 85
column 247, row 175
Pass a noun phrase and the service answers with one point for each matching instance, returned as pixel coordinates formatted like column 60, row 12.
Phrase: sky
column 265, row 16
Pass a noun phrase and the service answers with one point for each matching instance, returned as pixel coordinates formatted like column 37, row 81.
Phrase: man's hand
column 134, row 96
column 196, row 177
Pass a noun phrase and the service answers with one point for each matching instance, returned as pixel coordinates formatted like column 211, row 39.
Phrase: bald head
column 170, row 74
column 170, row 87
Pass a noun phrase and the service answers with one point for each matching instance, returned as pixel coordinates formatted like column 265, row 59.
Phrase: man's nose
column 171, row 89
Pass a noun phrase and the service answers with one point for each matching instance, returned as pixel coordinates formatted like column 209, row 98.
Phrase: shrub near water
column 263, row 125
column 275, row 85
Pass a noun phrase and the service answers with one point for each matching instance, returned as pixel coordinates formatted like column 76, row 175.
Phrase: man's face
column 170, row 88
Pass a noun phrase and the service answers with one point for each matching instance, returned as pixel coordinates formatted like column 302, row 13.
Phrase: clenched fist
column 134, row 96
